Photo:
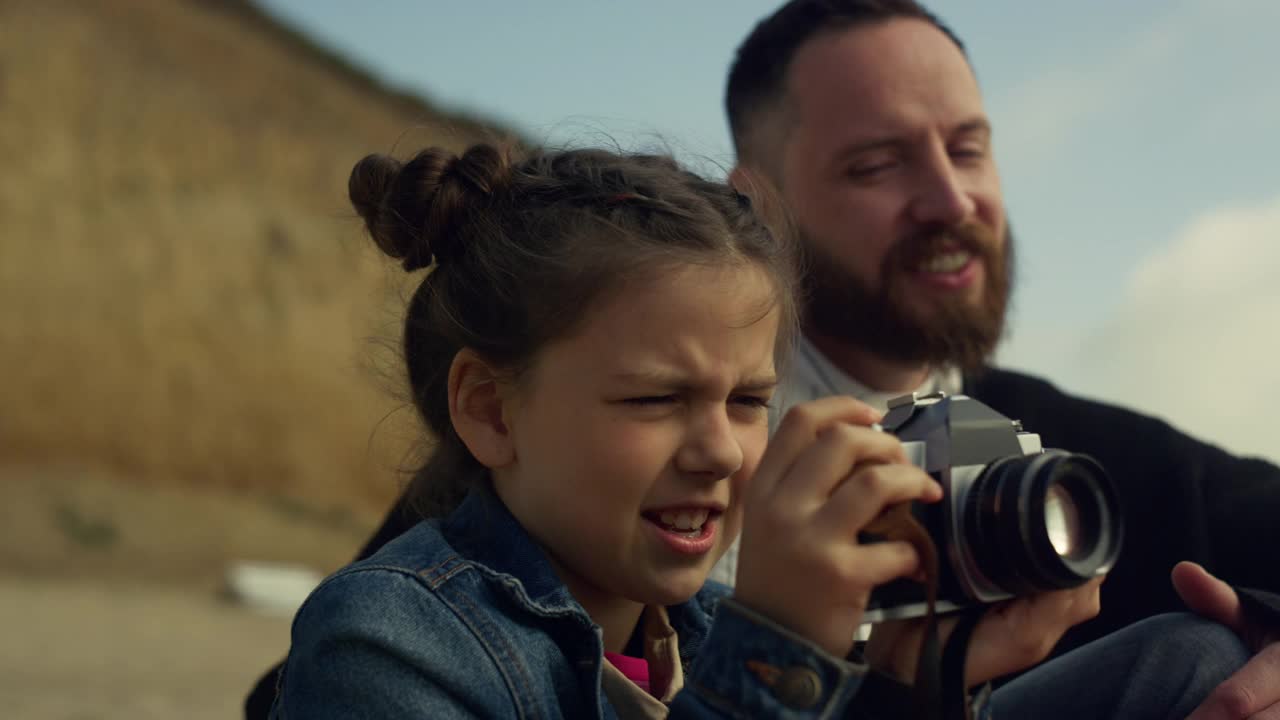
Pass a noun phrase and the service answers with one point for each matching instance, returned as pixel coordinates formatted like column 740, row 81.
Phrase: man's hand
column 1254, row 691
column 1011, row 636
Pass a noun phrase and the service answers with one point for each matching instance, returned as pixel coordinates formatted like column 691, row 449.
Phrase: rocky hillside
column 186, row 298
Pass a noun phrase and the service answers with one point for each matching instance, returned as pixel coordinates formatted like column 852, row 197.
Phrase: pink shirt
column 633, row 668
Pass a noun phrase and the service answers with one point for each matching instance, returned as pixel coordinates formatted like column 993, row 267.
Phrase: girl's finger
column 870, row 490
column 798, row 430
column 831, row 458
column 874, row 564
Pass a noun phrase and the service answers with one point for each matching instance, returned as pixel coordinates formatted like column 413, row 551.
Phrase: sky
column 1136, row 144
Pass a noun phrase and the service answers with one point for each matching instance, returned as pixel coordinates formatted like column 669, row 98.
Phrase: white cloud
column 1054, row 107
column 1197, row 338
column 1039, row 117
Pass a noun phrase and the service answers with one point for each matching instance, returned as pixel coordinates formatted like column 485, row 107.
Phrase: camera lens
column 1042, row 522
column 1061, row 520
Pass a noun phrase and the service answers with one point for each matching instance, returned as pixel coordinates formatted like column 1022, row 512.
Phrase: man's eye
column 868, row 171
column 969, row 153
column 646, row 400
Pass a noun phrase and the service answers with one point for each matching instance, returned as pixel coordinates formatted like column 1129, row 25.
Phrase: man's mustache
column 910, row 251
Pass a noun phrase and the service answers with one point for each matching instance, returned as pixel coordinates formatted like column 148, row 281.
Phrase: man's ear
column 742, row 179
column 766, row 198
column 477, row 409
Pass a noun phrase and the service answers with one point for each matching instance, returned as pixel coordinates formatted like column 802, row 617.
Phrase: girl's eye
column 751, row 401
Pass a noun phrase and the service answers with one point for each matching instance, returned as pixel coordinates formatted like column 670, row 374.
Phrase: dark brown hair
column 520, row 248
column 758, row 76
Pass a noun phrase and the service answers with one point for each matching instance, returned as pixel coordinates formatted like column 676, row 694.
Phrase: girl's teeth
column 946, row 262
column 684, row 520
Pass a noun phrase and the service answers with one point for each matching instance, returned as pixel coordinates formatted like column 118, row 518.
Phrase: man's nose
column 940, row 195
column 710, row 448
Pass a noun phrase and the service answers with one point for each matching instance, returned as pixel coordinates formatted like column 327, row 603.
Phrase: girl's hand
column 824, row 476
column 1011, row 636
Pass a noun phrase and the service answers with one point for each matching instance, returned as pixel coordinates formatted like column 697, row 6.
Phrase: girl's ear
column 477, row 410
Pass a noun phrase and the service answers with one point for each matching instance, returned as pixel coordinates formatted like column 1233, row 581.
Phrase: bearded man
column 867, row 118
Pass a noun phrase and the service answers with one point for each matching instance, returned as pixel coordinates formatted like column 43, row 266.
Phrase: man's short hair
column 757, row 78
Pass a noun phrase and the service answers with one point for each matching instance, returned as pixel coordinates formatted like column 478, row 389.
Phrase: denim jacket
column 464, row 617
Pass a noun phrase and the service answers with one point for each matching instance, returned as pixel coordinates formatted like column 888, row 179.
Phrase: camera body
column 1014, row 519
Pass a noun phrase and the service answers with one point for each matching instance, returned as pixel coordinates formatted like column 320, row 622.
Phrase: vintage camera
column 1015, row 518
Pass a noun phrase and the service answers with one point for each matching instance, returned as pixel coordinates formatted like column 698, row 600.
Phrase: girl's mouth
column 684, row 521
column 688, row 531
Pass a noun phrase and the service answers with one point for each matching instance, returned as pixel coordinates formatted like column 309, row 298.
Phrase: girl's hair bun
column 416, row 210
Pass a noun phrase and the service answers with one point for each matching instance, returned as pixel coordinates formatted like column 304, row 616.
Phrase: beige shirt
column 666, row 675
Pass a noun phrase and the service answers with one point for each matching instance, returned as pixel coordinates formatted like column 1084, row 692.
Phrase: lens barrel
column 1041, row 522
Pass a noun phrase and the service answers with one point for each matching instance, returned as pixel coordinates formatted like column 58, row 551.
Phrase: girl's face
column 633, row 437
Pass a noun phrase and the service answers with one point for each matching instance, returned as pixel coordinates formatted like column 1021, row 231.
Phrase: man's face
column 888, row 171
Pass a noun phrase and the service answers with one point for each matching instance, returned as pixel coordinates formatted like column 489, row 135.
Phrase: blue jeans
column 1162, row 667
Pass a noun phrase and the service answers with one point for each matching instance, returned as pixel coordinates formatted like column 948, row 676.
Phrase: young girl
column 595, row 347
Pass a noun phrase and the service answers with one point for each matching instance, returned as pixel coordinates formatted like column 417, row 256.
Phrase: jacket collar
column 485, row 532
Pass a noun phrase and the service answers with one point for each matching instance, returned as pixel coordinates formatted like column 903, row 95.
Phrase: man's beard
column 959, row 333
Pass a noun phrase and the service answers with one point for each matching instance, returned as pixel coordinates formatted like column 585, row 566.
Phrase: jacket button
column 798, row 688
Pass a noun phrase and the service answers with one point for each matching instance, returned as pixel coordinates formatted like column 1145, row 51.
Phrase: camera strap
column 939, row 691
column 955, row 695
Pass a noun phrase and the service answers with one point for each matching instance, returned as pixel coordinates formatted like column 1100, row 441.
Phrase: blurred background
column 197, row 364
